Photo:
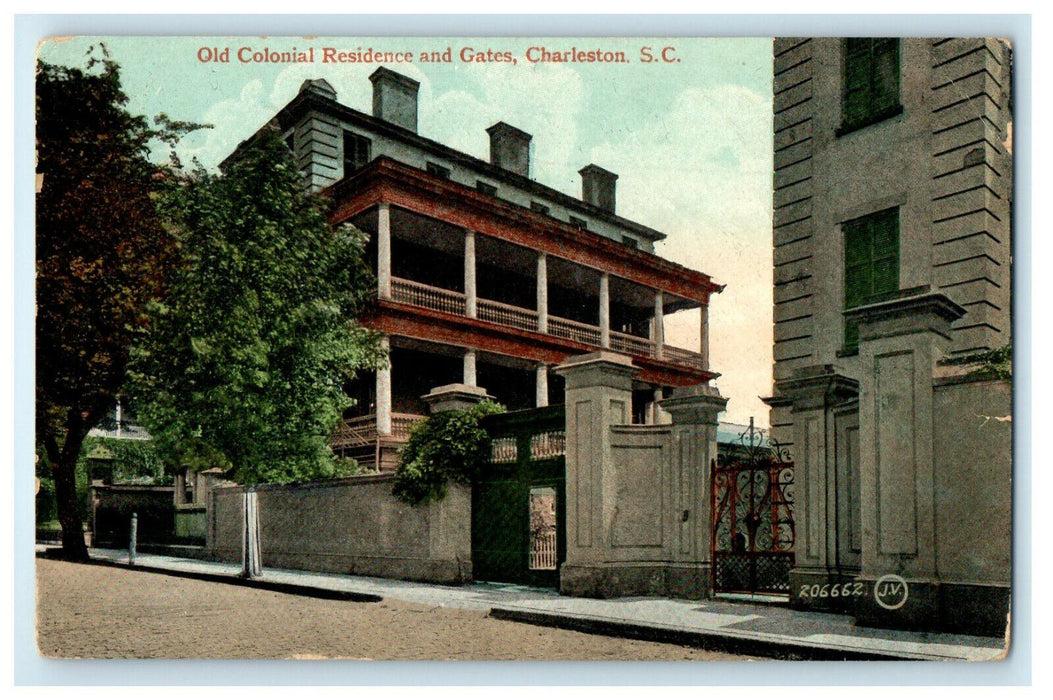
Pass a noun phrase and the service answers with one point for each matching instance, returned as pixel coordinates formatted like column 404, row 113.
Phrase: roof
column 309, row 100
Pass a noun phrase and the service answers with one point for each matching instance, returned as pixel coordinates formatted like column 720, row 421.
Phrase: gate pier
column 636, row 508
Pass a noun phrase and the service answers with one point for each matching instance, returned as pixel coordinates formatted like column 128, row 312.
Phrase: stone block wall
column 350, row 526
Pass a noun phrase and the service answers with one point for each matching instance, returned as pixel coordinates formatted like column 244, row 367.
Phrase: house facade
column 486, row 279
column 892, row 263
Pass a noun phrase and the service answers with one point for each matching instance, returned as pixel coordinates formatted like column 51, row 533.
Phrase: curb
column 781, row 649
column 274, row 586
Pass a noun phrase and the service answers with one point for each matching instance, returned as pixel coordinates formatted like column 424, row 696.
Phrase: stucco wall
column 973, row 465
column 350, row 526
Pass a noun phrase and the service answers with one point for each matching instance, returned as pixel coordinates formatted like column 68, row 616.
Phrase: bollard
column 131, row 539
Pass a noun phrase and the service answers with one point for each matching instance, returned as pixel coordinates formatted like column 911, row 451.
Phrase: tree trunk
column 64, row 470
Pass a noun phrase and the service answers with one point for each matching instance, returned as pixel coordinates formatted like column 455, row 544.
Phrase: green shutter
column 857, row 80
column 885, row 76
column 870, row 89
column 871, row 263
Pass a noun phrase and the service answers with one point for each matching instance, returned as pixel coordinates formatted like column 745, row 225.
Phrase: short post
column 252, row 559
column 132, row 536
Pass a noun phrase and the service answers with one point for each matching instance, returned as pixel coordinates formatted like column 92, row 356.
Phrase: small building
column 892, row 263
column 485, row 278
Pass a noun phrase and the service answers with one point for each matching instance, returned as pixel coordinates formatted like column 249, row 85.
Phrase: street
column 86, row 611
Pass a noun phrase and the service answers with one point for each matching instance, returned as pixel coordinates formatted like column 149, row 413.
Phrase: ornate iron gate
column 751, row 501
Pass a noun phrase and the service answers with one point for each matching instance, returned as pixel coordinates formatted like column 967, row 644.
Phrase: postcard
column 524, row 348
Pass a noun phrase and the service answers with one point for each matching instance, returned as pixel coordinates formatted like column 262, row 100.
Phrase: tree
column 102, row 256
column 246, row 359
column 448, row 446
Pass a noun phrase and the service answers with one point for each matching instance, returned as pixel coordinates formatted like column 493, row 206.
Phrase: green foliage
column 101, row 257
column 245, row 361
column 992, row 364
column 134, row 461
column 448, row 446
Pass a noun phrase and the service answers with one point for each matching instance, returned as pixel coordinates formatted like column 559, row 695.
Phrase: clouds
column 701, row 173
column 236, row 118
column 232, row 121
column 543, row 100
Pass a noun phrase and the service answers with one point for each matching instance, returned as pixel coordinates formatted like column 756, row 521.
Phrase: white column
column 384, row 392
column 658, row 325
column 469, row 367
column 542, row 385
column 605, row 310
column 470, row 299
column 384, row 251
column 703, row 345
column 656, row 408
column 542, row 293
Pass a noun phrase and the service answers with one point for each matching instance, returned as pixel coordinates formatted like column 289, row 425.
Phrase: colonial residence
column 486, row 279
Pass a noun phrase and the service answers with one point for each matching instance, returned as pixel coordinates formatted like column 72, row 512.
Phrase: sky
column 689, row 137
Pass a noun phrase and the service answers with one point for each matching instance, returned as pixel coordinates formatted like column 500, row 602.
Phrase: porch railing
column 687, row 358
column 451, row 302
column 362, row 431
column 632, row 345
column 573, row 330
column 424, row 295
column 507, row 315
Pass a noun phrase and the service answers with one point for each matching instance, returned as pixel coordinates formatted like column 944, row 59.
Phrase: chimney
column 510, row 148
column 395, row 98
column 319, row 87
column 597, row 187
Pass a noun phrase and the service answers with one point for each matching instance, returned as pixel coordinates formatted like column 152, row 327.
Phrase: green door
column 518, row 515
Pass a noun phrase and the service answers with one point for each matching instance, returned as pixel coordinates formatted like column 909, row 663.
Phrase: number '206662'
column 837, row 590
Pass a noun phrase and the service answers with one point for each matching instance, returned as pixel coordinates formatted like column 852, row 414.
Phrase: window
column 438, row 170
column 486, row 188
column 871, row 263
column 870, row 86
column 356, row 152
column 579, row 223
column 538, row 207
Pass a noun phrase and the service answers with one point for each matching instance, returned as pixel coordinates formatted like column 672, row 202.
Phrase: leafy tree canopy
column 245, row 362
column 102, row 256
column 448, row 446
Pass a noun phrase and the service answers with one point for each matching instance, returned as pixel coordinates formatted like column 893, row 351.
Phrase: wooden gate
column 518, row 509
column 751, row 503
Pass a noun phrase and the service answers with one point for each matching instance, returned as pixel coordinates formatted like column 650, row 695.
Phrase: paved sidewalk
column 737, row 627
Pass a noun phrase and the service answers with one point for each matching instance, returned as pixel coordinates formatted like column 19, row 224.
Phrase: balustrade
column 362, row 431
column 448, row 301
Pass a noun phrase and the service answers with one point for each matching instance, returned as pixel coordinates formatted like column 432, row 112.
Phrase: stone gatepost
column 637, row 511
column 823, row 497
column 598, row 393
column 900, row 343
column 454, row 397
column 693, row 448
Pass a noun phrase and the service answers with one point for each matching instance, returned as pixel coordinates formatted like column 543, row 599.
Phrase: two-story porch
column 478, row 291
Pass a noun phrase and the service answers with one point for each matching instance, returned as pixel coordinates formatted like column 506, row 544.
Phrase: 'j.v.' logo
column 890, row 592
